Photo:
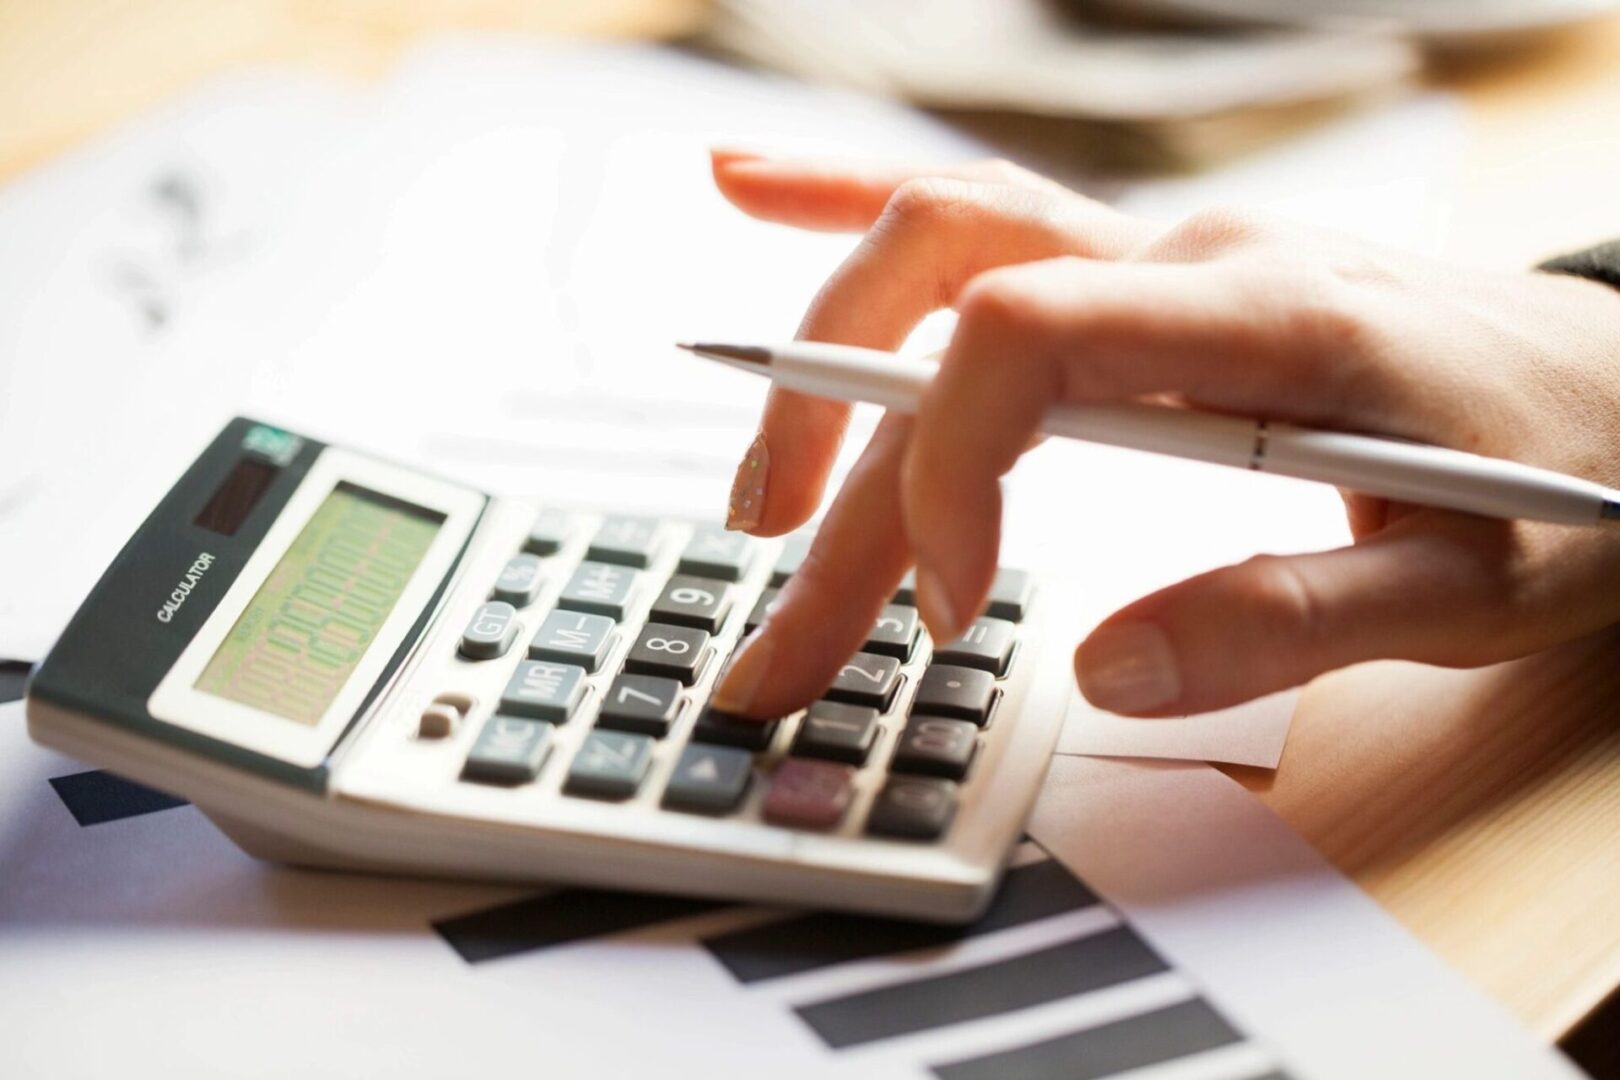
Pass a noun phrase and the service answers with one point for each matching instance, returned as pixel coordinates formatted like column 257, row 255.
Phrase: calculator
column 349, row 663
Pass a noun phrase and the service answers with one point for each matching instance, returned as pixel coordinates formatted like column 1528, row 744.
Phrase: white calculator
column 348, row 663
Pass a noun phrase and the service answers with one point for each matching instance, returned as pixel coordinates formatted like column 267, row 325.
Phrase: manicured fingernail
column 739, row 684
column 747, row 505
column 934, row 604
column 1128, row 667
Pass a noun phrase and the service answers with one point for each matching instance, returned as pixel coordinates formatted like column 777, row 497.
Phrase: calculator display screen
column 319, row 609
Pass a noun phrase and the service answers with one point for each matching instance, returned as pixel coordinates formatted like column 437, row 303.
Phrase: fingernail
column 747, row 504
column 1128, row 667
column 739, row 684
column 732, row 155
column 934, row 604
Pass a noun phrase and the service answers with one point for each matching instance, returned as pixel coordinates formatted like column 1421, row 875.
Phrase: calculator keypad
column 884, row 752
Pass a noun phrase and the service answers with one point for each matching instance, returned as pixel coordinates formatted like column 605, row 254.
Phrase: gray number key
column 520, row 580
column 935, row 746
column 626, row 540
column 837, row 732
column 867, row 679
column 709, row 779
column 573, row 637
column 895, row 632
column 508, row 750
column 947, row 690
column 794, row 549
column 599, row 589
column 1010, row 595
column 714, row 552
column 544, row 691
column 674, row 652
column 609, row 765
column 493, row 628
column 693, row 601
column 913, row 808
column 723, row 729
column 986, row 644
column 643, row 703
column 762, row 607
column 548, row 534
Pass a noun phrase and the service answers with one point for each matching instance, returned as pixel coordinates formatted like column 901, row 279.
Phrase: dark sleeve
column 1601, row 263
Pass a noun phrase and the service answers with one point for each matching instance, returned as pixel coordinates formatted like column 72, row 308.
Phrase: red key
column 809, row 794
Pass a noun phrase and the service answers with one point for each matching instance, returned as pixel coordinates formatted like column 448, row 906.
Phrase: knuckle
column 1275, row 586
column 926, row 202
column 997, row 301
column 1212, row 231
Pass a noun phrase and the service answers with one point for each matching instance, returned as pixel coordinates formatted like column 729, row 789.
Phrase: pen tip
column 739, row 354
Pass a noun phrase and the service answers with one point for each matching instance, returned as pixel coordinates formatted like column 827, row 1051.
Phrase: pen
column 1392, row 468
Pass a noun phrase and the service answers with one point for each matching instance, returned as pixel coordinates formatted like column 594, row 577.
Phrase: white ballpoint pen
column 1391, row 468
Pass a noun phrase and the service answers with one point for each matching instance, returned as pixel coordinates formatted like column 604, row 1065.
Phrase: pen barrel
column 1432, row 476
column 1182, row 433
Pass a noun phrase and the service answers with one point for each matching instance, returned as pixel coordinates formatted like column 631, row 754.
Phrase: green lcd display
column 305, row 630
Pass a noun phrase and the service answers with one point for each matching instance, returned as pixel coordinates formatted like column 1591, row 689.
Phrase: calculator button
column 508, row 750
column 675, row 652
column 573, row 637
column 809, row 794
column 609, row 765
column 544, row 691
column 693, row 601
column 437, row 722
column 520, row 580
column 644, row 703
column 947, row 690
column 1010, row 595
column 867, row 679
column 837, row 732
column 599, row 589
column 794, row 549
column 907, row 592
column 548, row 534
column 714, row 552
column 762, row 607
column 724, row 729
column 711, row 779
column 935, row 746
column 493, row 628
column 628, row 541
column 895, row 632
column 986, row 644
column 912, row 808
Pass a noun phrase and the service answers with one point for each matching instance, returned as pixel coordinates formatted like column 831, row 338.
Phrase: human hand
column 1063, row 299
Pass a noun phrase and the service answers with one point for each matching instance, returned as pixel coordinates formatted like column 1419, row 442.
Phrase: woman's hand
column 1063, row 299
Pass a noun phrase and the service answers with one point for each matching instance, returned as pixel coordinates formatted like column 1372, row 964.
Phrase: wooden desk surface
column 1478, row 807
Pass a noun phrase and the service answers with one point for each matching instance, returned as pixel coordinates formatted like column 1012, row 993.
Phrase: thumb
column 1435, row 587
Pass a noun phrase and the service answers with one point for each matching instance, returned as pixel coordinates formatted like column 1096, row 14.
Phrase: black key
column 714, row 552
column 837, row 732
column 723, row 729
column 907, row 592
column 709, row 779
column 573, row 637
column 493, row 628
column 625, row 540
column 1010, row 595
column 935, row 746
column 867, row 679
column 986, row 644
column 674, row 652
column 642, row 703
column 548, row 534
column 598, row 588
column 948, row 690
column 794, row 549
column 544, row 691
column 610, row 765
column 913, row 808
column 762, row 608
column 895, row 632
column 508, row 750
column 520, row 580
column 693, row 601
